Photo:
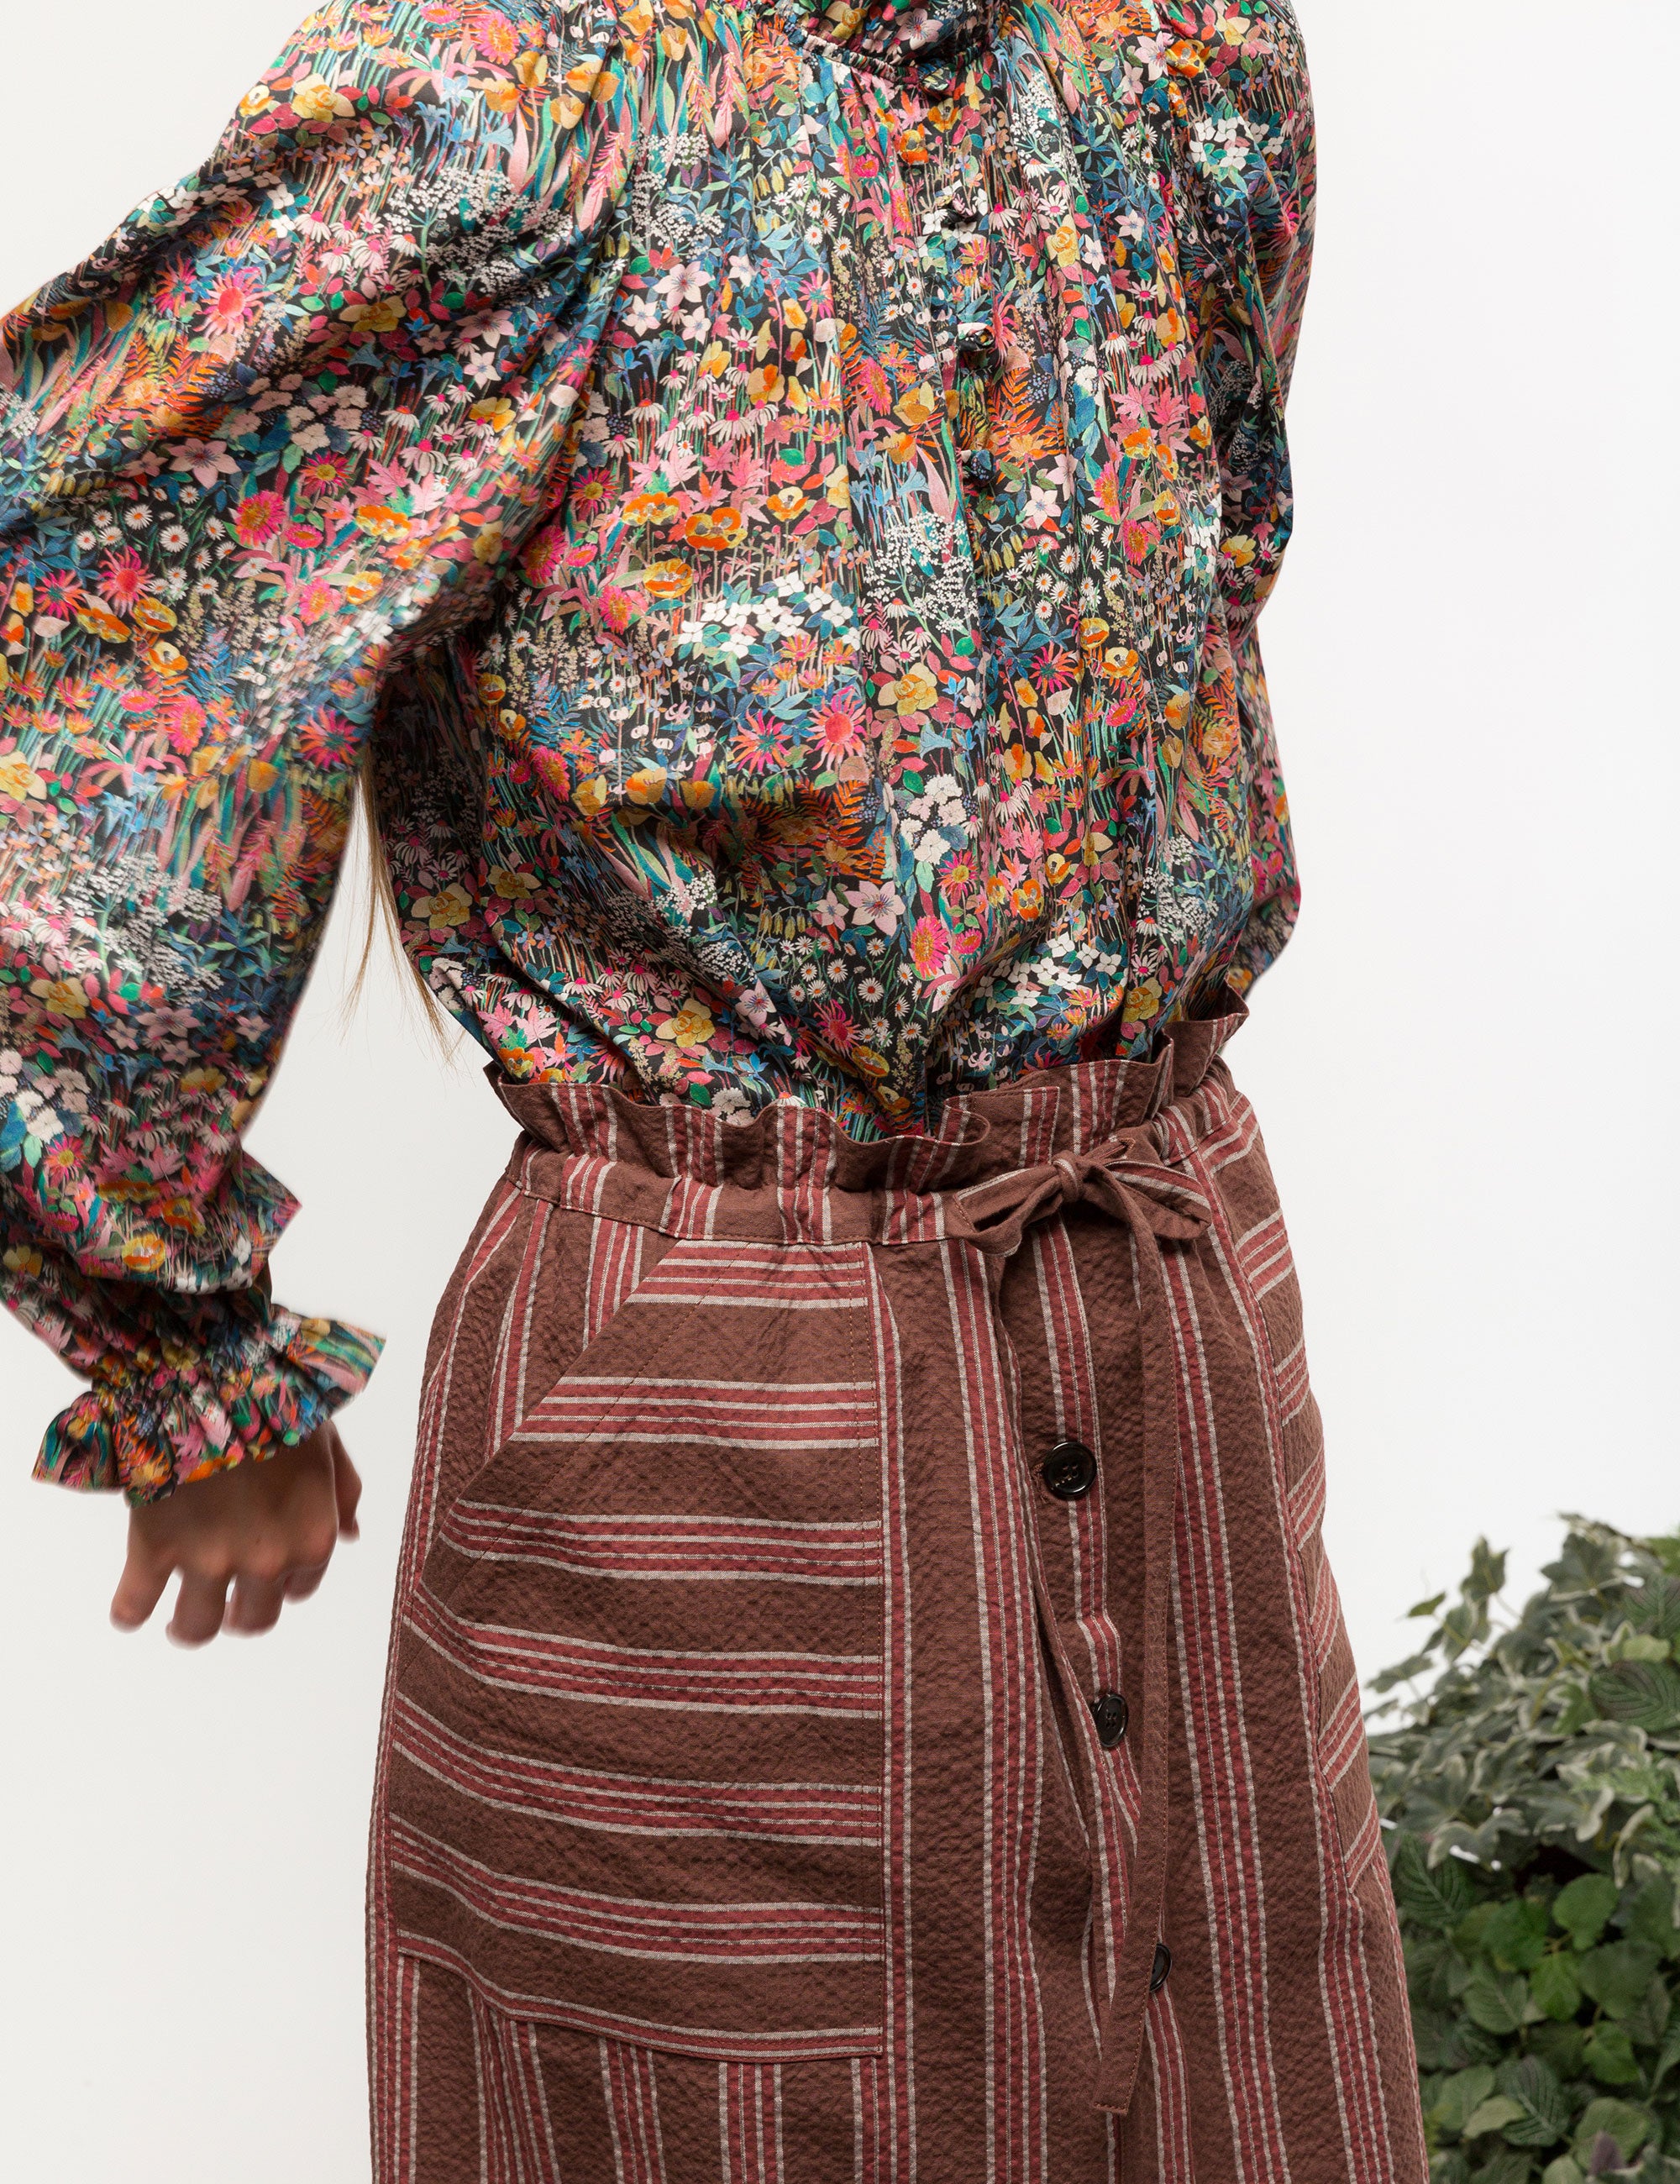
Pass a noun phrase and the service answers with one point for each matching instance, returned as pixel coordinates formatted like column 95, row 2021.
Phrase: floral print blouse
column 773, row 498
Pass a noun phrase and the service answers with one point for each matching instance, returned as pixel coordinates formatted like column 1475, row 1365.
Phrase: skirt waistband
column 792, row 1174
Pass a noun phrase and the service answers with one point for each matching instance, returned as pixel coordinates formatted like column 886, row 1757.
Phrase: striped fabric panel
column 617, row 1250
column 1324, row 1616
column 1344, row 1963
column 1294, row 1386
column 1304, row 1502
column 393, row 1984
column 880, row 2153
column 806, row 1158
column 586, row 1407
column 812, row 2043
column 694, row 1152
column 513, row 1348
column 696, row 1549
column 1264, row 1255
column 1175, row 2159
column 592, row 1117
column 1341, row 1740
column 759, row 1277
column 1221, row 1764
column 630, row 2082
column 742, row 1816
column 1363, row 1851
column 1014, row 1729
column 583, row 1178
column 592, row 1670
column 394, row 1998
column 531, row 2123
column 749, row 2123
column 885, row 2093
column 1076, row 1417
column 503, row 2150
column 667, row 1932
column 1230, row 1136
column 637, row 1804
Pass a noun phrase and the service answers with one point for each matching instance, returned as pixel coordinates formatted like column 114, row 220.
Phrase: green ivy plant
column 1527, row 1774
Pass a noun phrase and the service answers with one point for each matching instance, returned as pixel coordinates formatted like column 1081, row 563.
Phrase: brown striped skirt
column 867, row 1698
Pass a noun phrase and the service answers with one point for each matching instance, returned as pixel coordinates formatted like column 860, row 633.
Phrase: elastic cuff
column 159, row 1418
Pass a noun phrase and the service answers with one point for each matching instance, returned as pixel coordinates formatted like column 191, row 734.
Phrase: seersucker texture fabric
column 867, row 1697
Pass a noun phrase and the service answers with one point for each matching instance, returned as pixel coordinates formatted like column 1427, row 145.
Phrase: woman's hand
column 269, row 1529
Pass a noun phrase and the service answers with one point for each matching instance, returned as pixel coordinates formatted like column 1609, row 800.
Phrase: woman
column 775, row 504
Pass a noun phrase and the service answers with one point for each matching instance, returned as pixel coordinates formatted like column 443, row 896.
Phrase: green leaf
column 1404, row 1671
column 1428, row 1607
column 1497, row 2001
column 1650, row 1916
column 1647, row 2019
column 1468, row 1933
column 1563, row 2171
column 1560, row 2045
column 1646, row 1693
column 1428, row 2030
column 1486, row 1572
column 1531, row 2086
column 1617, row 1974
column 1438, row 1896
column 1609, row 2055
column 1507, row 2165
column 1627, row 2125
column 1584, row 1908
column 1492, row 2115
column 1658, row 1607
column 1669, row 2055
column 1437, row 1972
column 1463, row 1625
column 1460, row 2097
column 1464, row 2045
column 1515, row 1937
column 1554, row 1986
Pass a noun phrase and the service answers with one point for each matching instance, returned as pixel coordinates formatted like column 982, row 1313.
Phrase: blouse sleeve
column 1236, row 85
column 266, row 441
column 1243, row 110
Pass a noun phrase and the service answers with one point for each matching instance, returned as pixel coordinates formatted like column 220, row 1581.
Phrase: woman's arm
column 254, row 452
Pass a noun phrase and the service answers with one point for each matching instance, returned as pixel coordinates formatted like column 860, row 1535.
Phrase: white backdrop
column 1464, row 1064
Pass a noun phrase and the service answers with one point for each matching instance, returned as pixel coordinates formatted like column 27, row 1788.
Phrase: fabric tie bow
column 1126, row 1179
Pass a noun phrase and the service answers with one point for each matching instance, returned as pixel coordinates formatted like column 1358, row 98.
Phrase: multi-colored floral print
column 778, row 500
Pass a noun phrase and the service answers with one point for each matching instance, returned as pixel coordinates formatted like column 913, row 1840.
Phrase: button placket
column 956, row 210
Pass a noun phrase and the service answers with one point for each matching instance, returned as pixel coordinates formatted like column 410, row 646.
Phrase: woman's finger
column 302, row 1582
column 347, row 1487
column 256, row 1604
column 140, row 1587
column 199, row 1607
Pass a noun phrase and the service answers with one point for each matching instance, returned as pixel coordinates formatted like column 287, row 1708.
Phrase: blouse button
column 977, row 347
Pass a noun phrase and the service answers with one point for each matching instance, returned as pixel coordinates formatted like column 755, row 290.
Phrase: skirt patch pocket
column 637, row 1756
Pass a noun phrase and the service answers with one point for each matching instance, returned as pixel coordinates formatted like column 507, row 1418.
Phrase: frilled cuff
column 163, row 1413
